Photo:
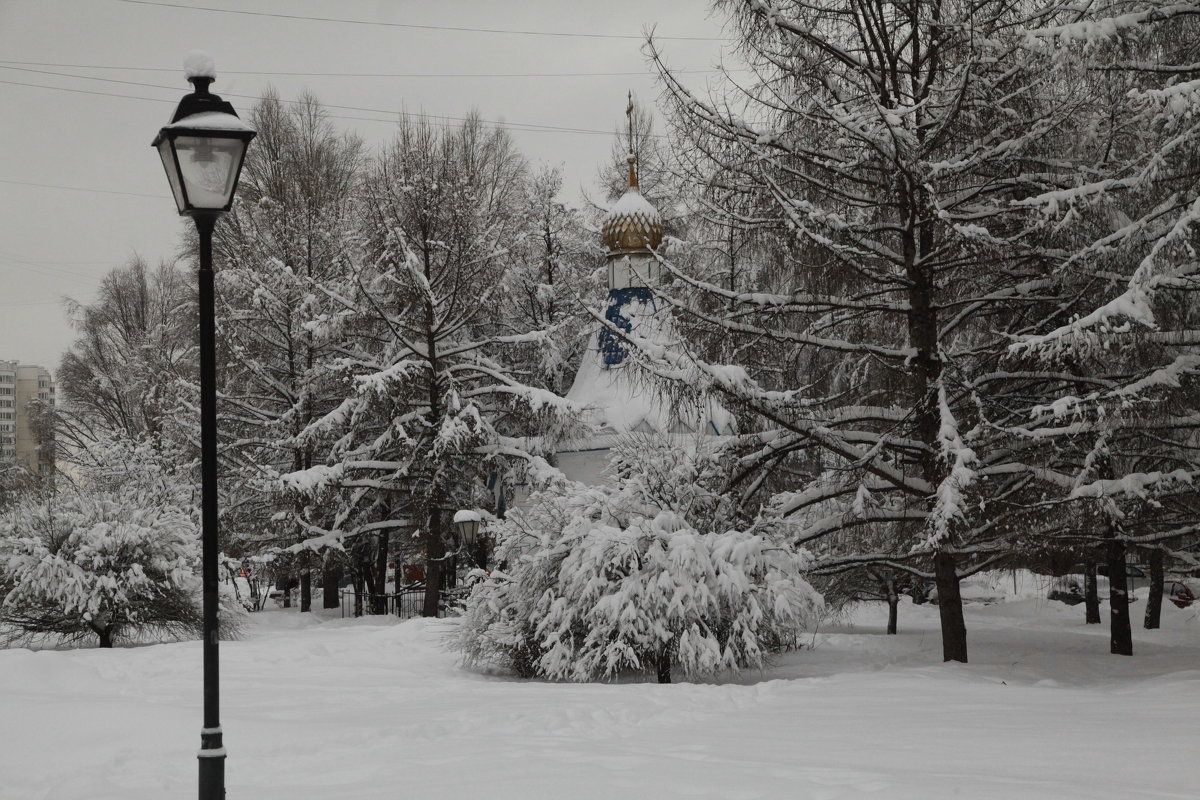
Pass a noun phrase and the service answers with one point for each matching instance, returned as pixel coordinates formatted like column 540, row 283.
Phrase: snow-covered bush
column 110, row 565
column 640, row 577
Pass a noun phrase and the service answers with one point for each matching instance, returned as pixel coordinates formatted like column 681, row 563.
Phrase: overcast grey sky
column 83, row 132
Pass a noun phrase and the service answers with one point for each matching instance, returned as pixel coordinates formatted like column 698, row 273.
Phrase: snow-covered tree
column 553, row 265
column 114, row 565
column 15, row 480
column 928, row 165
column 437, row 391
column 294, row 228
column 1124, row 427
column 645, row 575
column 125, row 375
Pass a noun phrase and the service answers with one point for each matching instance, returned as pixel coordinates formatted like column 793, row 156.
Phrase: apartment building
column 19, row 438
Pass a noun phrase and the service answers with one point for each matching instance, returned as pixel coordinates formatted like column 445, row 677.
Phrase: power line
column 413, row 26
column 517, row 126
column 50, row 268
column 50, row 272
column 431, row 117
column 288, row 73
column 78, row 188
column 20, row 304
column 83, row 91
column 92, row 78
column 39, row 262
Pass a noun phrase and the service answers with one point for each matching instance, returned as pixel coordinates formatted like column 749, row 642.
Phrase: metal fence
column 408, row 602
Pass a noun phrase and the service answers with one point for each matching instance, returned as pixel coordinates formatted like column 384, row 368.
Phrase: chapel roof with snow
column 632, row 225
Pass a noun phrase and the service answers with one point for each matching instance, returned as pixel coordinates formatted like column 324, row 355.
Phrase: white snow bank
column 373, row 708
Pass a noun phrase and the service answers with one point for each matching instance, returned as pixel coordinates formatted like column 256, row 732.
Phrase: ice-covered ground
column 319, row 708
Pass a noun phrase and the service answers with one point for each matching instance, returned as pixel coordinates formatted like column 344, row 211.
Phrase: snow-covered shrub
column 640, row 577
column 110, row 565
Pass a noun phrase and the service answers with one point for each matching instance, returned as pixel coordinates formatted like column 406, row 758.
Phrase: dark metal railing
column 406, row 603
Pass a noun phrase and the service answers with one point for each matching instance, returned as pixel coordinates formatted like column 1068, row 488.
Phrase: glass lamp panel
column 168, row 159
column 209, row 168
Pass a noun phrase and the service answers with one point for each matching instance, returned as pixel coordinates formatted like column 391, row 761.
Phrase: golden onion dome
column 632, row 225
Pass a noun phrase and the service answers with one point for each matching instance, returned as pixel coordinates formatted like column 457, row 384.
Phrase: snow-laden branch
column 1137, row 484
column 950, row 504
column 1134, row 304
column 1094, row 31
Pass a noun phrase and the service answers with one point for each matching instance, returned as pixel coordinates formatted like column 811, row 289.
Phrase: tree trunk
column 1091, row 594
column 379, row 599
column 329, row 585
column 917, row 247
column 305, row 590
column 954, row 628
column 1154, row 600
column 105, row 634
column 435, row 542
column 358, row 593
column 1121, row 637
column 893, row 601
column 664, row 667
column 435, row 551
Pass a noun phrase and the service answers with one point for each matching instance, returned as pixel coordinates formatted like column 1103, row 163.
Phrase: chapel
column 617, row 399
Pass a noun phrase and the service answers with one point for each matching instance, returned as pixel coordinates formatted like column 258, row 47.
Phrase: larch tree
column 551, row 267
column 1127, row 223
column 905, row 150
column 294, row 228
column 436, row 399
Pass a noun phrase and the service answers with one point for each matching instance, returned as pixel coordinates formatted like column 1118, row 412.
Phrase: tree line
column 939, row 259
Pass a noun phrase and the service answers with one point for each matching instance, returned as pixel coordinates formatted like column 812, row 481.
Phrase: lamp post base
column 212, row 764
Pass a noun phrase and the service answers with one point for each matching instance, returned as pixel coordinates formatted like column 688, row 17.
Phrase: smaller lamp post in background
column 202, row 151
column 468, row 524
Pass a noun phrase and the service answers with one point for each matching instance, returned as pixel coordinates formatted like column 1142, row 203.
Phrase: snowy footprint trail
column 371, row 708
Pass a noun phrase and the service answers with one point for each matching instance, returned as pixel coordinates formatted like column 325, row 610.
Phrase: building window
column 6, row 390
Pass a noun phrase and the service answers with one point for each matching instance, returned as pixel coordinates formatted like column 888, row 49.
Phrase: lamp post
column 468, row 524
column 202, row 151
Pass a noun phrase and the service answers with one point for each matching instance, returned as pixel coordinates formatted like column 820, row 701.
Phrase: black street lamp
column 468, row 524
column 202, row 151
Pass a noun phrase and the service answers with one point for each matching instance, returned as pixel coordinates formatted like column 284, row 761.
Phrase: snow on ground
column 317, row 707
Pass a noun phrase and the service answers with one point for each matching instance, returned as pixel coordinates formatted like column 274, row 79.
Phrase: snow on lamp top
column 467, row 516
column 199, row 64
column 212, row 121
column 632, row 225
